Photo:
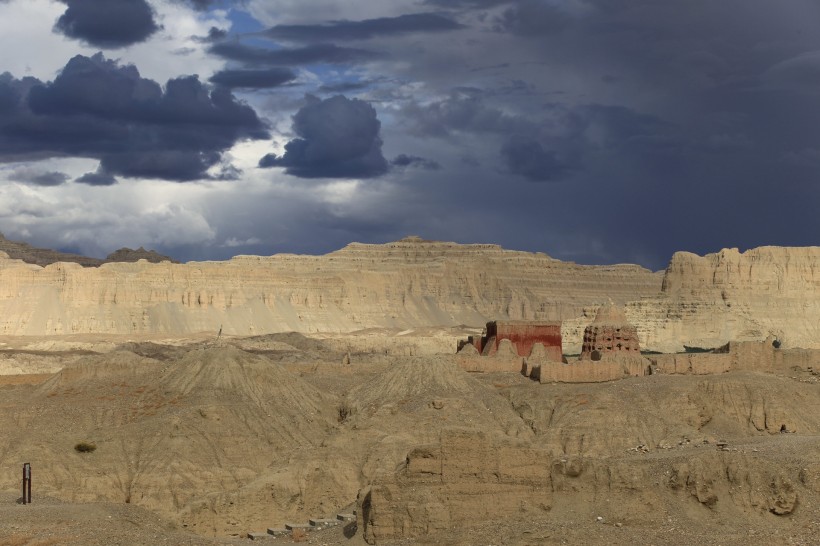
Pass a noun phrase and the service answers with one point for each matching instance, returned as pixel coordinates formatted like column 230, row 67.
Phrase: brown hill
column 126, row 254
column 167, row 433
column 43, row 256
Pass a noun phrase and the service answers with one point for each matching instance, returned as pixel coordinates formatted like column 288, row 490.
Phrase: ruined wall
column 610, row 338
column 468, row 478
column 504, row 359
column 692, row 363
column 609, row 333
column 520, row 336
column 610, row 368
column 524, row 335
column 757, row 356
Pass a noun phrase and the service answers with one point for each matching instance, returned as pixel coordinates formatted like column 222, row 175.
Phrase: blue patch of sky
column 247, row 28
column 243, row 22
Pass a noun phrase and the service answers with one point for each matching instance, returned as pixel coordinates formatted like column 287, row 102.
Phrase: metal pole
column 26, row 483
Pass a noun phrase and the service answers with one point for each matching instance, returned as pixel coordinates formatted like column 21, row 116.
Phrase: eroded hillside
column 222, row 438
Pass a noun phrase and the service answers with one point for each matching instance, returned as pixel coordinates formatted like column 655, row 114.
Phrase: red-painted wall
column 523, row 336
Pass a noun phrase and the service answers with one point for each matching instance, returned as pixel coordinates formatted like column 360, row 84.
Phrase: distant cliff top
column 126, row 254
column 44, row 256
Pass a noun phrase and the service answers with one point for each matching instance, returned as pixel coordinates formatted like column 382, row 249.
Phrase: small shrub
column 345, row 411
column 85, row 447
column 298, row 535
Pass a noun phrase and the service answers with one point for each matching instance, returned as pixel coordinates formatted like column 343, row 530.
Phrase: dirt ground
column 201, row 441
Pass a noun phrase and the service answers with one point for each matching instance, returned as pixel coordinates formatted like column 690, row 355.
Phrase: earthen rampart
column 588, row 371
column 757, row 356
column 468, row 478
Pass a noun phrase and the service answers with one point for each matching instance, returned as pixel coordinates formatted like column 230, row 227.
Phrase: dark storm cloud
column 203, row 5
column 109, row 23
column 96, row 108
column 533, row 18
column 528, row 158
column 463, row 110
column 404, row 160
column 214, row 35
column 267, row 161
column 338, row 138
column 312, row 54
column 799, row 73
column 363, row 30
column 39, row 178
column 481, row 4
column 98, row 178
column 344, row 87
column 549, row 145
column 253, row 79
column 200, row 5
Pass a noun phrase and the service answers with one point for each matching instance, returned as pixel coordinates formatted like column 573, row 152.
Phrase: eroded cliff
column 710, row 300
column 406, row 284
column 698, row 302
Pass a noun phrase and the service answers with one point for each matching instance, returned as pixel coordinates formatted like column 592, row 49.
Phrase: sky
column 596, row 131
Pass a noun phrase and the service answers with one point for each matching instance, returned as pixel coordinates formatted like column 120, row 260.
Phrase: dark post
column 26, row 483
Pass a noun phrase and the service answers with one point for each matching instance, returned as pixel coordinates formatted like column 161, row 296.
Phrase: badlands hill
column 44, row 256
column 698, row 302
column 219, row 439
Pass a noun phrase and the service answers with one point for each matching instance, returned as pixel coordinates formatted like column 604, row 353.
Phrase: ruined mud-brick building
column 609, row 333
column 522, row 334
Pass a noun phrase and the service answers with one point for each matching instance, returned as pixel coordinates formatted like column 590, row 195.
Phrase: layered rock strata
column 698, row 302
column 406, row 284
column 707, row 301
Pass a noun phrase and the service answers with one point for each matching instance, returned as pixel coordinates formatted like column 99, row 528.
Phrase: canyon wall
column 709, row 300
column 406, row 284
column 699, row 301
